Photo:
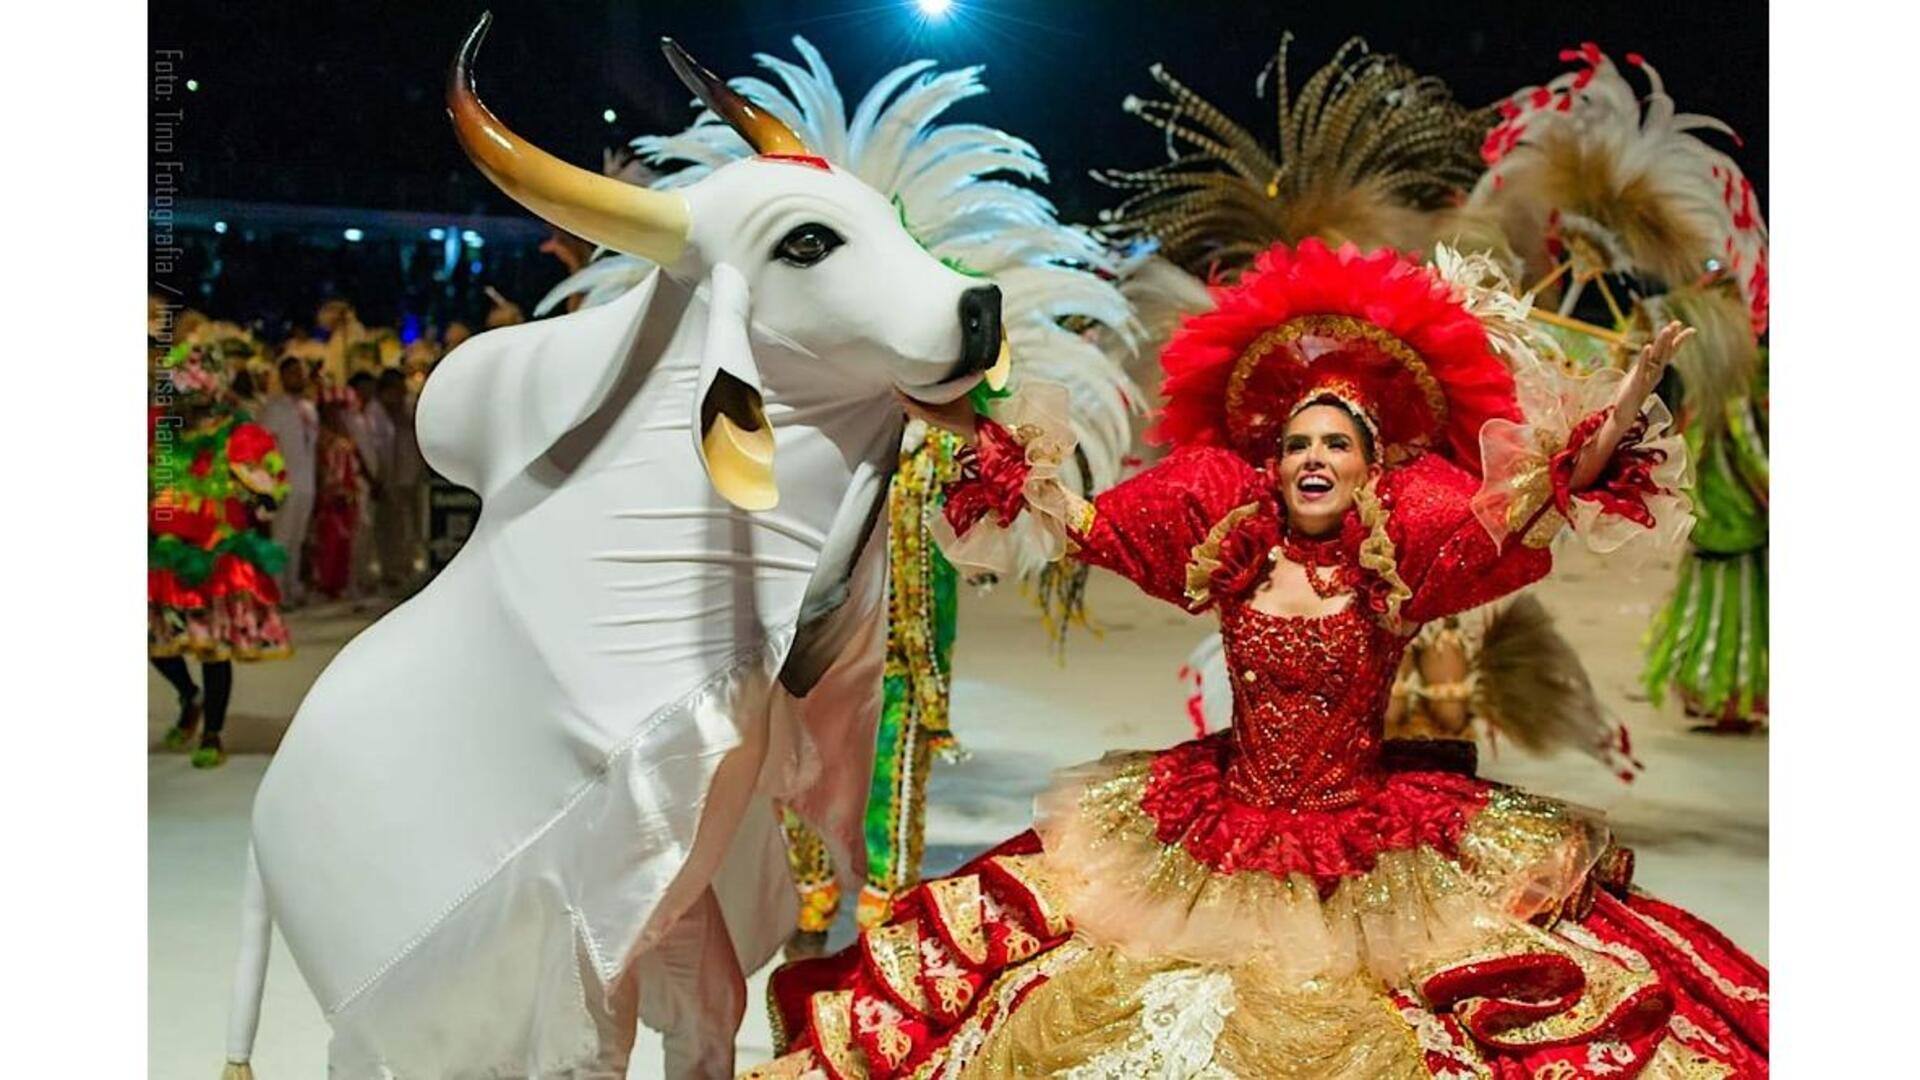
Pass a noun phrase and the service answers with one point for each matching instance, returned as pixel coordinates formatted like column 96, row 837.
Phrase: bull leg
column 693, row 992
column 249, row 974
column 691, row 988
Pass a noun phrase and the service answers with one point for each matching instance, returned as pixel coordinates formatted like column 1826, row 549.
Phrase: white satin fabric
column 500, row 827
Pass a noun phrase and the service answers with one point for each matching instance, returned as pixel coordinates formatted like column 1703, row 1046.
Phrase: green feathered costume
column 1709, row 644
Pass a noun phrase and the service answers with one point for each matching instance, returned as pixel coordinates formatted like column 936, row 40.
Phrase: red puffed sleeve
column 1146, row 529
column 1152, row 529
column 1461, row 542
column 1444, row 557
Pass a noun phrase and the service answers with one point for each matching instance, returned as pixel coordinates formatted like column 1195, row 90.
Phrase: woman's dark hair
column 1359, row 422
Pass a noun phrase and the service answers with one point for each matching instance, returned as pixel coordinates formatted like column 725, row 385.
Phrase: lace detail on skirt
column 1182, row 1014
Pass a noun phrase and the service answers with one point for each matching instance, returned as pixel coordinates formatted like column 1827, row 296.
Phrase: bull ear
column 731, row 431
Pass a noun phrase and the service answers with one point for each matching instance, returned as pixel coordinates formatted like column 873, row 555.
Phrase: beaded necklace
column 1311, row 554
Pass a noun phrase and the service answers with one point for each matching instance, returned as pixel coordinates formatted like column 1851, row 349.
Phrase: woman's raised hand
column 1642, row 376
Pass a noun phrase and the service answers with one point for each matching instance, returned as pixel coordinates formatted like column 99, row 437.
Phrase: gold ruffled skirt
column 1496, row 959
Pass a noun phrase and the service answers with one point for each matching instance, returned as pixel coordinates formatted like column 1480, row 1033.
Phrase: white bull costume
column 531, row 806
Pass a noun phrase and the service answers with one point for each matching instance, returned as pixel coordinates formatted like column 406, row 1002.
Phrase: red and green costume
column 922, row 613
column 210, row 566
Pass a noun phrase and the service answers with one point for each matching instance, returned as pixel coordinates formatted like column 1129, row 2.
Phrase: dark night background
column 339, row 105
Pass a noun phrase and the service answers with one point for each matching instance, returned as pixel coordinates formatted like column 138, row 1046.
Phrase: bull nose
column 979, row 329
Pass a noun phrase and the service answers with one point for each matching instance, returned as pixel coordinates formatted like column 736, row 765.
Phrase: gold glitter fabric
column 1111, row 1015
column 1088, row 1012
column 1520, row 857
column 1102, row 951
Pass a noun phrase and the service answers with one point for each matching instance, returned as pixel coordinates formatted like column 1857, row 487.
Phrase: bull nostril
column 980, row 329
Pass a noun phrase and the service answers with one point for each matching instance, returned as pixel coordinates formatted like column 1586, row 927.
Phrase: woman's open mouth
column 1314, row 486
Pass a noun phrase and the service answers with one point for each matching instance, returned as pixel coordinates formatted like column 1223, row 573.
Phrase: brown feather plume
column 1531, row 686
column 1368, row 151
column 1718, row 363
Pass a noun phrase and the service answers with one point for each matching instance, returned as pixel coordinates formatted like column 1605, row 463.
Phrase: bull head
column 785, row 245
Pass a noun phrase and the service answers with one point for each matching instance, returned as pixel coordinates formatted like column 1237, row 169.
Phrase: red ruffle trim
column 1626, row 481
column 993, row 480
column 1244, row 555
column 1187, row 797
column 231, row 576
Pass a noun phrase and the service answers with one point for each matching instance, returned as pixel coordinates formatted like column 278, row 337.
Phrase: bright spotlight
column 934, row 7
column 609, row 116
column 193, row 85
column 220, row 227
column 436, row 233
column 472, row 238
column 354, row 236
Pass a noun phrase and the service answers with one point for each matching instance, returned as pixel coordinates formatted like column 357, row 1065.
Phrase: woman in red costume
column 1284, row 898
column 337, row 510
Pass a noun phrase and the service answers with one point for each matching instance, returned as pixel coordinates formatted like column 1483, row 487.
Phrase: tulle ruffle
column 1464, row 862
column 1639, row 497
column 1015, row 466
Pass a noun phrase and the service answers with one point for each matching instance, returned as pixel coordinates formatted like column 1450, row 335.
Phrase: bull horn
column 765, row 132
column 608, row 212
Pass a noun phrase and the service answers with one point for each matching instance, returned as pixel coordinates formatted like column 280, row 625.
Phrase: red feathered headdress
column 1381, row 333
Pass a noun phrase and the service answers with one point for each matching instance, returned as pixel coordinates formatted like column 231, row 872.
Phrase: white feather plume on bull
column 964, row 190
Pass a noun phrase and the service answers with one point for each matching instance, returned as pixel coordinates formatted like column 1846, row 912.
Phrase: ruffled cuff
column 992, row 481
column 1013, row 466
column 1527, row 489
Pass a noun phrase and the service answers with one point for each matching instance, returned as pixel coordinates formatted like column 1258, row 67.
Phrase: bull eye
column 807, row 244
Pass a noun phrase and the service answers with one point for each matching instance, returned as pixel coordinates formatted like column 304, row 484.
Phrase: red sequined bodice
column 1309, row 698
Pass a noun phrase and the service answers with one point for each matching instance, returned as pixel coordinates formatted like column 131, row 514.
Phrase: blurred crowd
column 338, row 399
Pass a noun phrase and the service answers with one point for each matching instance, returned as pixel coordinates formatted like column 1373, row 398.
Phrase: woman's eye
column 807, row 245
